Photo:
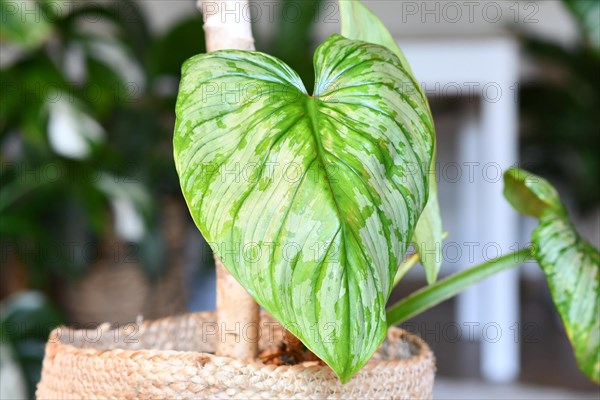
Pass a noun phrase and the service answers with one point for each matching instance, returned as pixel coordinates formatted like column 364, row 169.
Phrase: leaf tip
column 347, row 372
column 528, row 193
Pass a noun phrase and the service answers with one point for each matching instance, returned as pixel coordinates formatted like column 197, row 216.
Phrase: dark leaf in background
column 587, row 13
column 169, row 52
column 293, row 41
column 559, row 111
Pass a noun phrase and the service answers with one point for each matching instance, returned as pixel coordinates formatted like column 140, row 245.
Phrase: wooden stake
column 238, row 318
column 227, row 26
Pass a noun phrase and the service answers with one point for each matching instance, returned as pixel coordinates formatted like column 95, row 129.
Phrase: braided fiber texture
column 170, row 358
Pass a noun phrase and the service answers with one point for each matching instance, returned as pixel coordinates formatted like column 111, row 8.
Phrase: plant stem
column 406, row 266
column 237, row 311
column 436, row 293
column 410, row 262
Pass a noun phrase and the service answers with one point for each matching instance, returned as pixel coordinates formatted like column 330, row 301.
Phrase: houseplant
column 319, row 247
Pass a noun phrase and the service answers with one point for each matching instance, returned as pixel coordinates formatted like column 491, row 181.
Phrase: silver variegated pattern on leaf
column 310, row 201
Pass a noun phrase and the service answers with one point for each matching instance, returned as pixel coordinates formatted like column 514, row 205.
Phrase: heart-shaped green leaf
column 571, row 264
column 360, row 23
column 309, row 201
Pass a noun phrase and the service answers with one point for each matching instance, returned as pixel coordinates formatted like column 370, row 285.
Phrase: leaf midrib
column 312, row 112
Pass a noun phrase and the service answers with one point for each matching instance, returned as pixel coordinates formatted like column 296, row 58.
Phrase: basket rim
column 423, row 352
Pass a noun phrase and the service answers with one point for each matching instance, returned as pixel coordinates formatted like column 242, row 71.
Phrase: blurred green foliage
column 94, row 70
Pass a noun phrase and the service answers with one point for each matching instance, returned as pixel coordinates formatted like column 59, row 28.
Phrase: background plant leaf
column 309, row 201
column 571, row 264
column 360, row 23
column 27, row 29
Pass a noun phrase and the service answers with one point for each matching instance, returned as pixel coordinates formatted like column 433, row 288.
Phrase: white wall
column 409, row 19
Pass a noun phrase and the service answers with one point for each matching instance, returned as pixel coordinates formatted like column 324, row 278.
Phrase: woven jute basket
column 171, row 358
